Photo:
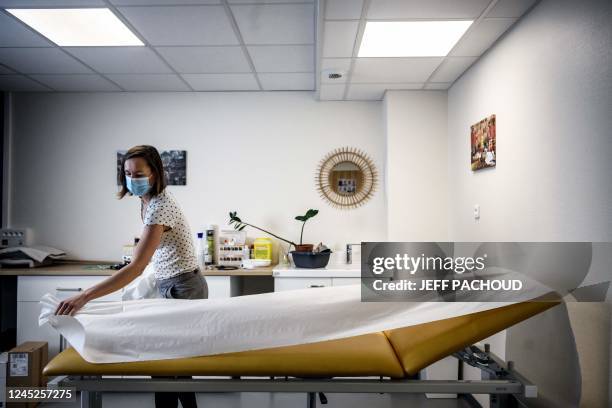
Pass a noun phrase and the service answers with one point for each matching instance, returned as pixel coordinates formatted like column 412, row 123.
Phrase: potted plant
column 303, row 256
column 301, row 247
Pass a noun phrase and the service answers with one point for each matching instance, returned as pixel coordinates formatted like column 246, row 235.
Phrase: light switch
column 476, row 211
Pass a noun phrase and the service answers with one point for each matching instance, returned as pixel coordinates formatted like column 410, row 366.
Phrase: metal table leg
column 312, row 400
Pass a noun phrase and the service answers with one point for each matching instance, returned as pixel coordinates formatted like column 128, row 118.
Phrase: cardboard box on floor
column 25, row 364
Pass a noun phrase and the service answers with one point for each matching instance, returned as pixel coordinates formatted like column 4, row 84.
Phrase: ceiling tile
column 389, row 70
column 287, row 82
column 451, row 68
column 161, row 2
column 476, row 41
column 121, row 60
column 182, row 25
column 375, row 92
column 343, row 9
column 222, row 82
column 332, row 92
column 75, row 83
column 50, row 3
column 149, row 82
column 282, row 58
column 334, row 65
column 41, row 61
column 510, row 8
column 340, row 64
column 276, row 23
column 434, row 9
column 15, row 34
column 199, row 60
column 339, row 38
column 438, row 86
column 19, row 83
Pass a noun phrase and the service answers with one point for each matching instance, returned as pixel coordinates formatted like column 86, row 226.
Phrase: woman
column 166, row 240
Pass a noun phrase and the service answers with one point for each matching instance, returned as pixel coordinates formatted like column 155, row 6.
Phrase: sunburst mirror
column 346, row 178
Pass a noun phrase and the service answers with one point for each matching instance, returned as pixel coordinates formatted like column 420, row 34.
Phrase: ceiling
column 247, row 45
column 368, row 78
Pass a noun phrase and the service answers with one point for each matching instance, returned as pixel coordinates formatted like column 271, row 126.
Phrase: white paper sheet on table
column 157, row 329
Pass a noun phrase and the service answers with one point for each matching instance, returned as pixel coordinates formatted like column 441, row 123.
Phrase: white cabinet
column 291, row 283
column 345, row 281
column 298, row 278
column 29, row 291
column 32, row 288
column 222, row 286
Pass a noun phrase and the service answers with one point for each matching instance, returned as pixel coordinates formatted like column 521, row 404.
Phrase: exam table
column 387, row 361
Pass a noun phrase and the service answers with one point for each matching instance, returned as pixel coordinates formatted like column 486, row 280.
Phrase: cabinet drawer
column 300, row 283
column 345, row 281
column 32, row 288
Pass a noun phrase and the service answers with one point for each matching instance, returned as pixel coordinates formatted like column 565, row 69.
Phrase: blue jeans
column 189, row 285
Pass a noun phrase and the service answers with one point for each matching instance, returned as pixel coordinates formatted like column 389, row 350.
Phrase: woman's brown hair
column 154, row 161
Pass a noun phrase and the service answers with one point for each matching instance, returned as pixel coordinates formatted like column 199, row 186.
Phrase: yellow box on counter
column 262, row 248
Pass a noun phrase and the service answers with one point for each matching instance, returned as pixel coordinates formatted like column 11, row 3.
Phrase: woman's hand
column 71, row 305
column 147, row 245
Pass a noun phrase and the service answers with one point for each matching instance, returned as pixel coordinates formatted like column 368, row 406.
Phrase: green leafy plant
column 239, row 225
column 309, row 214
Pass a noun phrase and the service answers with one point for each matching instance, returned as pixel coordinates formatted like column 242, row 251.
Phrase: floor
column 281, row 400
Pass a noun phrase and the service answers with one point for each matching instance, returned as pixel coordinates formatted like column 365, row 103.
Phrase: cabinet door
column 290, row 283
column 219, row 286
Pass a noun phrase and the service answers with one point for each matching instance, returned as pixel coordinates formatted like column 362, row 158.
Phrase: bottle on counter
column 202, row 250
column 210, row 244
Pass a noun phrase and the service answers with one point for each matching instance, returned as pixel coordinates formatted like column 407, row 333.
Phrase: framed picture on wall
column 175, row 166
column 483, row 138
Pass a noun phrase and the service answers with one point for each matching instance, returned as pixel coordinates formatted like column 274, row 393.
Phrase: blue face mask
column 138, row 186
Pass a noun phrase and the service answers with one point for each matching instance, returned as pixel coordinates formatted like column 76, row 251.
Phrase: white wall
column 548, row 80
column 251, row 152
column 416, row 165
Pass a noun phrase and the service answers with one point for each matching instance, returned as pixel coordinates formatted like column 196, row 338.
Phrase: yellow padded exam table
column 394, row 356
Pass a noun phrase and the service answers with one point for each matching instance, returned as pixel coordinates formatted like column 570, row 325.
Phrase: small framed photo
column 483, row 138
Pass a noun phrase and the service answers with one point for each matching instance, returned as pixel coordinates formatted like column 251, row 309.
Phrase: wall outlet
column 477, row 211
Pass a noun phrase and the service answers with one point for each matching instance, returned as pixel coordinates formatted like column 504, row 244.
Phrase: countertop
column 100, row 269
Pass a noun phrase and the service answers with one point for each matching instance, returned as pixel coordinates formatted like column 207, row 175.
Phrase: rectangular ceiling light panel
column 89, row 27
column 411, row 38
